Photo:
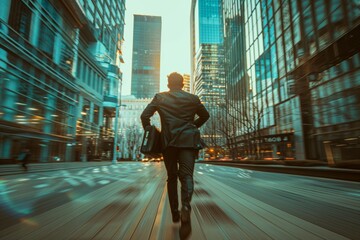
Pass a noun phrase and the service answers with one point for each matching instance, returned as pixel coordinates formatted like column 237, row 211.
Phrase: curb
column 324, row 172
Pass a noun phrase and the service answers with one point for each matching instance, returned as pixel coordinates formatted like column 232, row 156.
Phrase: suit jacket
column 177, row 110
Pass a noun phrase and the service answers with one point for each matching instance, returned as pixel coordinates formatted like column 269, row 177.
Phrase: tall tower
column 207, row 61
column 145, row 78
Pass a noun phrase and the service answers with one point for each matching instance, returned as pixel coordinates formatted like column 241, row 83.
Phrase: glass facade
column 208, row 62
column 52, row 83
column 301, row 77
column 145, row 78
column 210, row 22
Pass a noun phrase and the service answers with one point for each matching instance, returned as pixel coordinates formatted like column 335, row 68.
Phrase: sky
column 175, row 37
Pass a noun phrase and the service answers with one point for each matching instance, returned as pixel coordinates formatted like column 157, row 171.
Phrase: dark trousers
column 179, row 162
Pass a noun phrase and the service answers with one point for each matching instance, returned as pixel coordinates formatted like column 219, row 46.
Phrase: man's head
column 175, row 81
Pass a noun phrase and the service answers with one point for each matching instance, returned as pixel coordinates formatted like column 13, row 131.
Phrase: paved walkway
column 135, row 206
column 13, row 169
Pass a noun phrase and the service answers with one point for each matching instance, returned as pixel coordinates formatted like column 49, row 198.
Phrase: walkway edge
column 323, row 172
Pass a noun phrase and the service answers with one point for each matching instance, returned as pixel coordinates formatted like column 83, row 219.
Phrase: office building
column 291, row 68
column 145, row 75
column 59, row 68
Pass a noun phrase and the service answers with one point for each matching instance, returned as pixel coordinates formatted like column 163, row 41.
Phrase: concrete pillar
column 69, row 153
column 91, row 112
column 101, row 116
column 5, row 148
column 298, row 130
column 274, row 150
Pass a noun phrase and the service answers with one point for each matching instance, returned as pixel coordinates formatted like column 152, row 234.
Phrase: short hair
column 175, row 80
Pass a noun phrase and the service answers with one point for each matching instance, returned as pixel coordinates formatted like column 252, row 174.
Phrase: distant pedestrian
column 180, row 138
column 24, row 157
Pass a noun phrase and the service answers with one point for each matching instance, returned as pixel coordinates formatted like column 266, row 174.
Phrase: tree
column 242, row 122
column 133, row 138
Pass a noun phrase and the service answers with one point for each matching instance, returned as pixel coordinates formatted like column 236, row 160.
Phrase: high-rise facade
column 59, row 68
column 295, row 66
column 145, row 76
column 187, row 85
column 207, row 61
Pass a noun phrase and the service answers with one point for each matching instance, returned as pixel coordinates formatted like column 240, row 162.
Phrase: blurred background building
column 131, row 130
column 145, row 76
column 207, row 63
column 293, row 79
column 60, row 77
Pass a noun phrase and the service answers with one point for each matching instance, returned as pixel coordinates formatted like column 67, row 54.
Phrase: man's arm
column 148, row 112
column 202, row 113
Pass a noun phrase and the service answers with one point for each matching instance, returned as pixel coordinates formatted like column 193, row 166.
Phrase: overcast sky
column 175, row 39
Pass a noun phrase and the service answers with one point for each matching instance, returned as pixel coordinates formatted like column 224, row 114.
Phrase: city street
column 129, row 201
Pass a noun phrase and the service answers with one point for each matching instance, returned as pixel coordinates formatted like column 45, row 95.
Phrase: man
column 180, row 140
column 24, row 158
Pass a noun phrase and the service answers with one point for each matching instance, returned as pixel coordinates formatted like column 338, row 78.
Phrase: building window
column 46, row 39
column 20, row 18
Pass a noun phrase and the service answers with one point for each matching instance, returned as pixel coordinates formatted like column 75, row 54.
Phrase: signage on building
column 280, row 138
column 276, row 139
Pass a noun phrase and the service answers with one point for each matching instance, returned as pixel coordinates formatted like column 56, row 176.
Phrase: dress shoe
column 185, row 228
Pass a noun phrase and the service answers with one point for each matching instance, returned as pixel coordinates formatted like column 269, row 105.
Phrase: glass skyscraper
column 292, row 68
column 207, row 78
column 145, row 78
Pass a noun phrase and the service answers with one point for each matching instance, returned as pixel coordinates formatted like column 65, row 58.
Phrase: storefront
column 270, row 147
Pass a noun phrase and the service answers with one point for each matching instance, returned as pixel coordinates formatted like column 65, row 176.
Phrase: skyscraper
column 290, row 75
column 207, row 61
column 145, row 78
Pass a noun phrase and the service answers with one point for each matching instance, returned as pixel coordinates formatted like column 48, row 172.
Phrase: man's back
column 176, row 108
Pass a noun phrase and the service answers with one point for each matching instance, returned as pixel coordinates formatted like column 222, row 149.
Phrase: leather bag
column 151, row 143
